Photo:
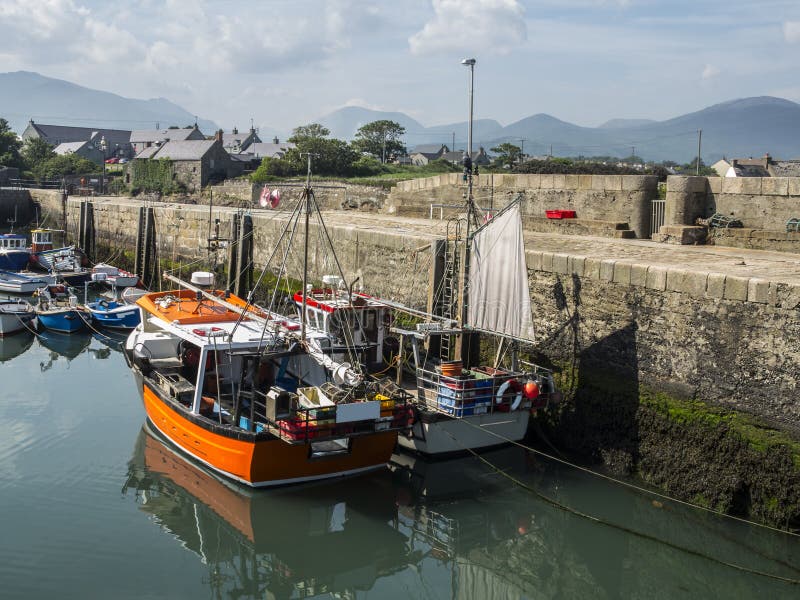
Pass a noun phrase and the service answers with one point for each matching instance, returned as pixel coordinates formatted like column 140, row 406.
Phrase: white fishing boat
column 114, row 276
column 466, row 406
column 15, row 315
column 23, row 283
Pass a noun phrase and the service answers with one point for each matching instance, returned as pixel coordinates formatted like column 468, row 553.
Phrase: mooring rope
column 633, row 486
column 598, row 520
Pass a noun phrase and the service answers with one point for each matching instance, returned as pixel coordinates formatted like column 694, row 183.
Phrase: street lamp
column 469, row 62
column 103, row 147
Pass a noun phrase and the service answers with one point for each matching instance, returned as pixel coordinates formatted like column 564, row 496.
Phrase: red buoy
column 531, row 389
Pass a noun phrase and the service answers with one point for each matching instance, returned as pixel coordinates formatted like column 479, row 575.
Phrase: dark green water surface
column 94, row 506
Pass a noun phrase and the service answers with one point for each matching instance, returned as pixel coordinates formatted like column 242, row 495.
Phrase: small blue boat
column 113, row 314
column 58, row 310
column 14, row 252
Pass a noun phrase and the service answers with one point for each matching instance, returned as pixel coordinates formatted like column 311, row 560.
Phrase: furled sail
column 498, row 296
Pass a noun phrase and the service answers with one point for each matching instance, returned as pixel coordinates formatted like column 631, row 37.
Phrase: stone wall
column 19, row 200
column 694, row 334
column 330, row 194
column 382, row 259
column 761, row 204
column 616, row 198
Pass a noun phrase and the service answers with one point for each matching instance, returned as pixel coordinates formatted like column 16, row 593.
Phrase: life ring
column 515, row 387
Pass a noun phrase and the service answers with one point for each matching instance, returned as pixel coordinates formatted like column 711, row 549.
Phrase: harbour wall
column 608, row 198
column 697, row 333
column 377, row 256
column 685, row 375
column 12, row 200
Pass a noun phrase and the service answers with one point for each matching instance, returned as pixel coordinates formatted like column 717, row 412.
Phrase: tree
column 64, row 164
column 330, row 157
column 508, row 154
column 9, row 146
column 36, row 150
column 310, row 131
column 380, row 139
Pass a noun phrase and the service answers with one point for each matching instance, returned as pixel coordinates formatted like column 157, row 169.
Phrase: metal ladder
column 450, row 282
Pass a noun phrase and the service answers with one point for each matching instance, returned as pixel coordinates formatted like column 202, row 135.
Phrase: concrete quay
column 757, row 276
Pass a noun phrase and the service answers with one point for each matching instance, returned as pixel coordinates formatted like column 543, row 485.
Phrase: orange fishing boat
column 237, row 389
column 262, row 398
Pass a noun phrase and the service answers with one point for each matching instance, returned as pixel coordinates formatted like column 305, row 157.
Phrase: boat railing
column 301, row 425
column 482, row 390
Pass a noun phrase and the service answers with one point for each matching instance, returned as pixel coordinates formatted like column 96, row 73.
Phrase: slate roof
column 750, row 171
column 68, row 147
column 178, row 150
column 429, row 149
column 785, row 168
column 269, row 149
column 159, row 135
column 66, row 132
column 236, row 140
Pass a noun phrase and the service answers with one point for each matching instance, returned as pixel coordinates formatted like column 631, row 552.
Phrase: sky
column 287, row 62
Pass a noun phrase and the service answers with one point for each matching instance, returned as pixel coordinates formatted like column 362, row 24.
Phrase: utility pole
column 699, row 143
column 453, row 147
column 522, row 149
column 551, row 151
column 383, row 152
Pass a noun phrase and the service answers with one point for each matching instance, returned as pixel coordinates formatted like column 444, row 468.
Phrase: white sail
column 498, row 297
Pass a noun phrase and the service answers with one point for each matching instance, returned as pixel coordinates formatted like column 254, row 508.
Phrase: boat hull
column 260, row 461
column 66, row 321
column 14, row 260
column 115, row 316
column 14, row 321
column 437, row 434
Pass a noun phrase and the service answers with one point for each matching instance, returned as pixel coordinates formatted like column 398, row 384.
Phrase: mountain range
column 737, row 128
column 25, row 95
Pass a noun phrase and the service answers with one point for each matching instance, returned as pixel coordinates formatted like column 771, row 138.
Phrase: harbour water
column 92, row 505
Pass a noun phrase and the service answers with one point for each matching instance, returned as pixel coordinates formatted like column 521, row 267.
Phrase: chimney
column 218, row 136
column 275, row 140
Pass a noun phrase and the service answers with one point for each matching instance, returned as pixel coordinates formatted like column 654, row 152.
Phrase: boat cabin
column 357, row 321
column 42, row 239
column 13, row 241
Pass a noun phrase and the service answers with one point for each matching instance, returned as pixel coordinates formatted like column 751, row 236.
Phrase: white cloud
column 710, row 71
column 791, row 31
column 471, row 25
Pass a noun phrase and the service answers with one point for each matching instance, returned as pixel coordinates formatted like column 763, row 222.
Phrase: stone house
column 479, row 158
column 424, row 154
column 237, row 143
column 90, row 150
column 146, row 138
column 273, row 149
column 765, row 166
column 195, row 162
column 118, row 141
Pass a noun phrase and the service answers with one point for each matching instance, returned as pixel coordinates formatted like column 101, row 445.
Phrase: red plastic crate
column 560, row 214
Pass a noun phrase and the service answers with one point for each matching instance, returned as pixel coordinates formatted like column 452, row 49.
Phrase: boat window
column 329, row 448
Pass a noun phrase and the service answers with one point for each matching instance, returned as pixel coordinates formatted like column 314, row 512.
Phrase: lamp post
column 103, row 147
column 469, row 62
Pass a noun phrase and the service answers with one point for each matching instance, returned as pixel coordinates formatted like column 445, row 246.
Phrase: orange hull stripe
column 264, row 461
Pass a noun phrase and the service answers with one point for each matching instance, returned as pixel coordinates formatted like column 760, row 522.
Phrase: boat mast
column 307, row 197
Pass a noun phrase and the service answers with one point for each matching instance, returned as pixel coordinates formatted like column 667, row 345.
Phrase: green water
column 92, row 506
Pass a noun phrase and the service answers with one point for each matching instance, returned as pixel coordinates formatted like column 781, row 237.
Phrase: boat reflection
column 62, row 345
column 12, row 346
column 324, row 539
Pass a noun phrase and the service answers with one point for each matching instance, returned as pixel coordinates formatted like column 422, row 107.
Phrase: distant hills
column 25, row 95
column 738, row 128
